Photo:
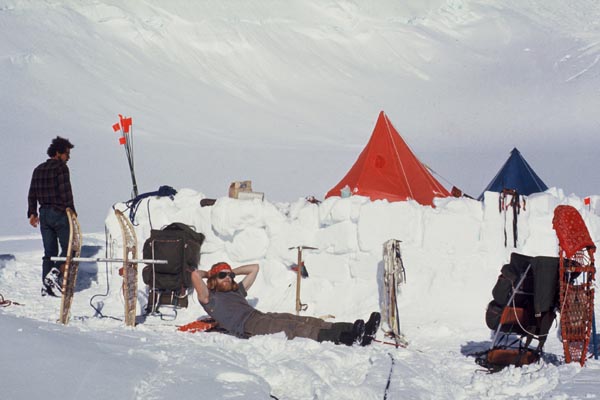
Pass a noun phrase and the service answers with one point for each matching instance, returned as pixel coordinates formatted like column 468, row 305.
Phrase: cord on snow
column 6, row 303
column 389, row 381
column 107, row 244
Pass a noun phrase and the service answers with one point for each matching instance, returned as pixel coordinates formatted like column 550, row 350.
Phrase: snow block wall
column 447, row 250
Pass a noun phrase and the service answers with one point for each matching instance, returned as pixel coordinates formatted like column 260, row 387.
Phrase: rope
column 6, row 303
column 406, row 181
column 389, row 381
column 134, row 203
column 390, row 343
column 436, row 173
column 106, row 247
column 533, row 335
column 148, row 210
column 562, row 306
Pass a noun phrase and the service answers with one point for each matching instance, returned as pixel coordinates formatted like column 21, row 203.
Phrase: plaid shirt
column 51, row 187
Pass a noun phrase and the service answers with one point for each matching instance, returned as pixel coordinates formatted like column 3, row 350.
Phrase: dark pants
column 54, row 226
column 261, row 323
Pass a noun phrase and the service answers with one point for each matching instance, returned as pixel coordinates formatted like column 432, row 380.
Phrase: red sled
column 576, row 276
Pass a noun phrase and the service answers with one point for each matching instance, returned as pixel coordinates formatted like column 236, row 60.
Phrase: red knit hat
column 218, row 267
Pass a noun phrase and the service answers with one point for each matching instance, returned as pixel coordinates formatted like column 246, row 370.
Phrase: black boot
column 355, row 335
column 371, row 328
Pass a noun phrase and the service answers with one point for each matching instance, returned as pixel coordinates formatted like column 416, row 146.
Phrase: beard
column 224, row 286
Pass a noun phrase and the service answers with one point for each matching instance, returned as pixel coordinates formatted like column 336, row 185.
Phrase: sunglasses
column 223, row 275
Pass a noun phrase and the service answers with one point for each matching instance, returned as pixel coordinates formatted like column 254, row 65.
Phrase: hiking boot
column 47, row 291
column 372, row 324
column 358, row 330
column 52, row 281
column 371, row 328
column 355, row 335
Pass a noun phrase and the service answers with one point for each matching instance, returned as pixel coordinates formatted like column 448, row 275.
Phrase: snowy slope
column 287, row 94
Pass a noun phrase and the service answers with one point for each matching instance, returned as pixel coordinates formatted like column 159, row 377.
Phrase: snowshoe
column 47, row 291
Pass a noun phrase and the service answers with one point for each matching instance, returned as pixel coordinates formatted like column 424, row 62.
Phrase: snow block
column 381, row 221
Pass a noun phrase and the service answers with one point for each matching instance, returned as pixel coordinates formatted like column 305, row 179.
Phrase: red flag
column 587, row 201
column 126, row 124
column 122, row 140
column 116, row 127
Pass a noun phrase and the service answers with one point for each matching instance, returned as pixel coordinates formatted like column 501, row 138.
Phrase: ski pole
column 594, row 340
column 115, row 260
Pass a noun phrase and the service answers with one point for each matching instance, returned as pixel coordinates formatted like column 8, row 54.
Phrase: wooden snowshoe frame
column 130, row 269
column 70, row 267
column 577, row 273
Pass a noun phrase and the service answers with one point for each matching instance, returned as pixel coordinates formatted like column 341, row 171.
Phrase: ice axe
column 304, row 272
column 299, row 305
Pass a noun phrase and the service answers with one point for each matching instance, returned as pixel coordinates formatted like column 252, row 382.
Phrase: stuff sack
column 178, row 244
column 496, row 359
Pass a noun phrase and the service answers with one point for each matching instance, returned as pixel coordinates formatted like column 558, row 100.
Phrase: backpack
column 180, row 245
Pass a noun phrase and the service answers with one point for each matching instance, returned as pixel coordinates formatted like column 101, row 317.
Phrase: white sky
column 287, row 95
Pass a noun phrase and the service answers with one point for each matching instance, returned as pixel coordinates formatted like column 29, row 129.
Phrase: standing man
column 51, row 188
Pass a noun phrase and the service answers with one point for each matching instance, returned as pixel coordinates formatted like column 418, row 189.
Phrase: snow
column 286, row 95
column 452, row 254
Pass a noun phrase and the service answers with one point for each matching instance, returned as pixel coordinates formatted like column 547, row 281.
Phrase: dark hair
column 58, row 145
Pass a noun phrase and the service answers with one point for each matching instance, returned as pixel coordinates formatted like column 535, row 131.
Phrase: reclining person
column 225, row 301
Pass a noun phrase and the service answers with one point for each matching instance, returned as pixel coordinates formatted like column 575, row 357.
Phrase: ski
column 70, row 267
column 111, row 260
column 129, row 270
column 576, row 275
column 393, row 276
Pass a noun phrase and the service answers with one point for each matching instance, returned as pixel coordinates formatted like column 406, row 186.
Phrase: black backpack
column 180, row 245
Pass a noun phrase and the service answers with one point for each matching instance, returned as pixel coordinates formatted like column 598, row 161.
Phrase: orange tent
column 388, row 169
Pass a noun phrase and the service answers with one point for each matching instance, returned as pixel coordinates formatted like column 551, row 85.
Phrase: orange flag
column 587, row 201
column 116, row 127
column 122, row 140
column 125, row 123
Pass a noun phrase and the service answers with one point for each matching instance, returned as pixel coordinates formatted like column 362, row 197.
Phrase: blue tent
column 516, row 174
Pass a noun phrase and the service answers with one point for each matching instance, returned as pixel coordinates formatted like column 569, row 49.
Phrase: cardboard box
column 239, row 186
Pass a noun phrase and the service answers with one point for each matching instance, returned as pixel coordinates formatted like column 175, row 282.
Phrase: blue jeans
column 55, row 229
